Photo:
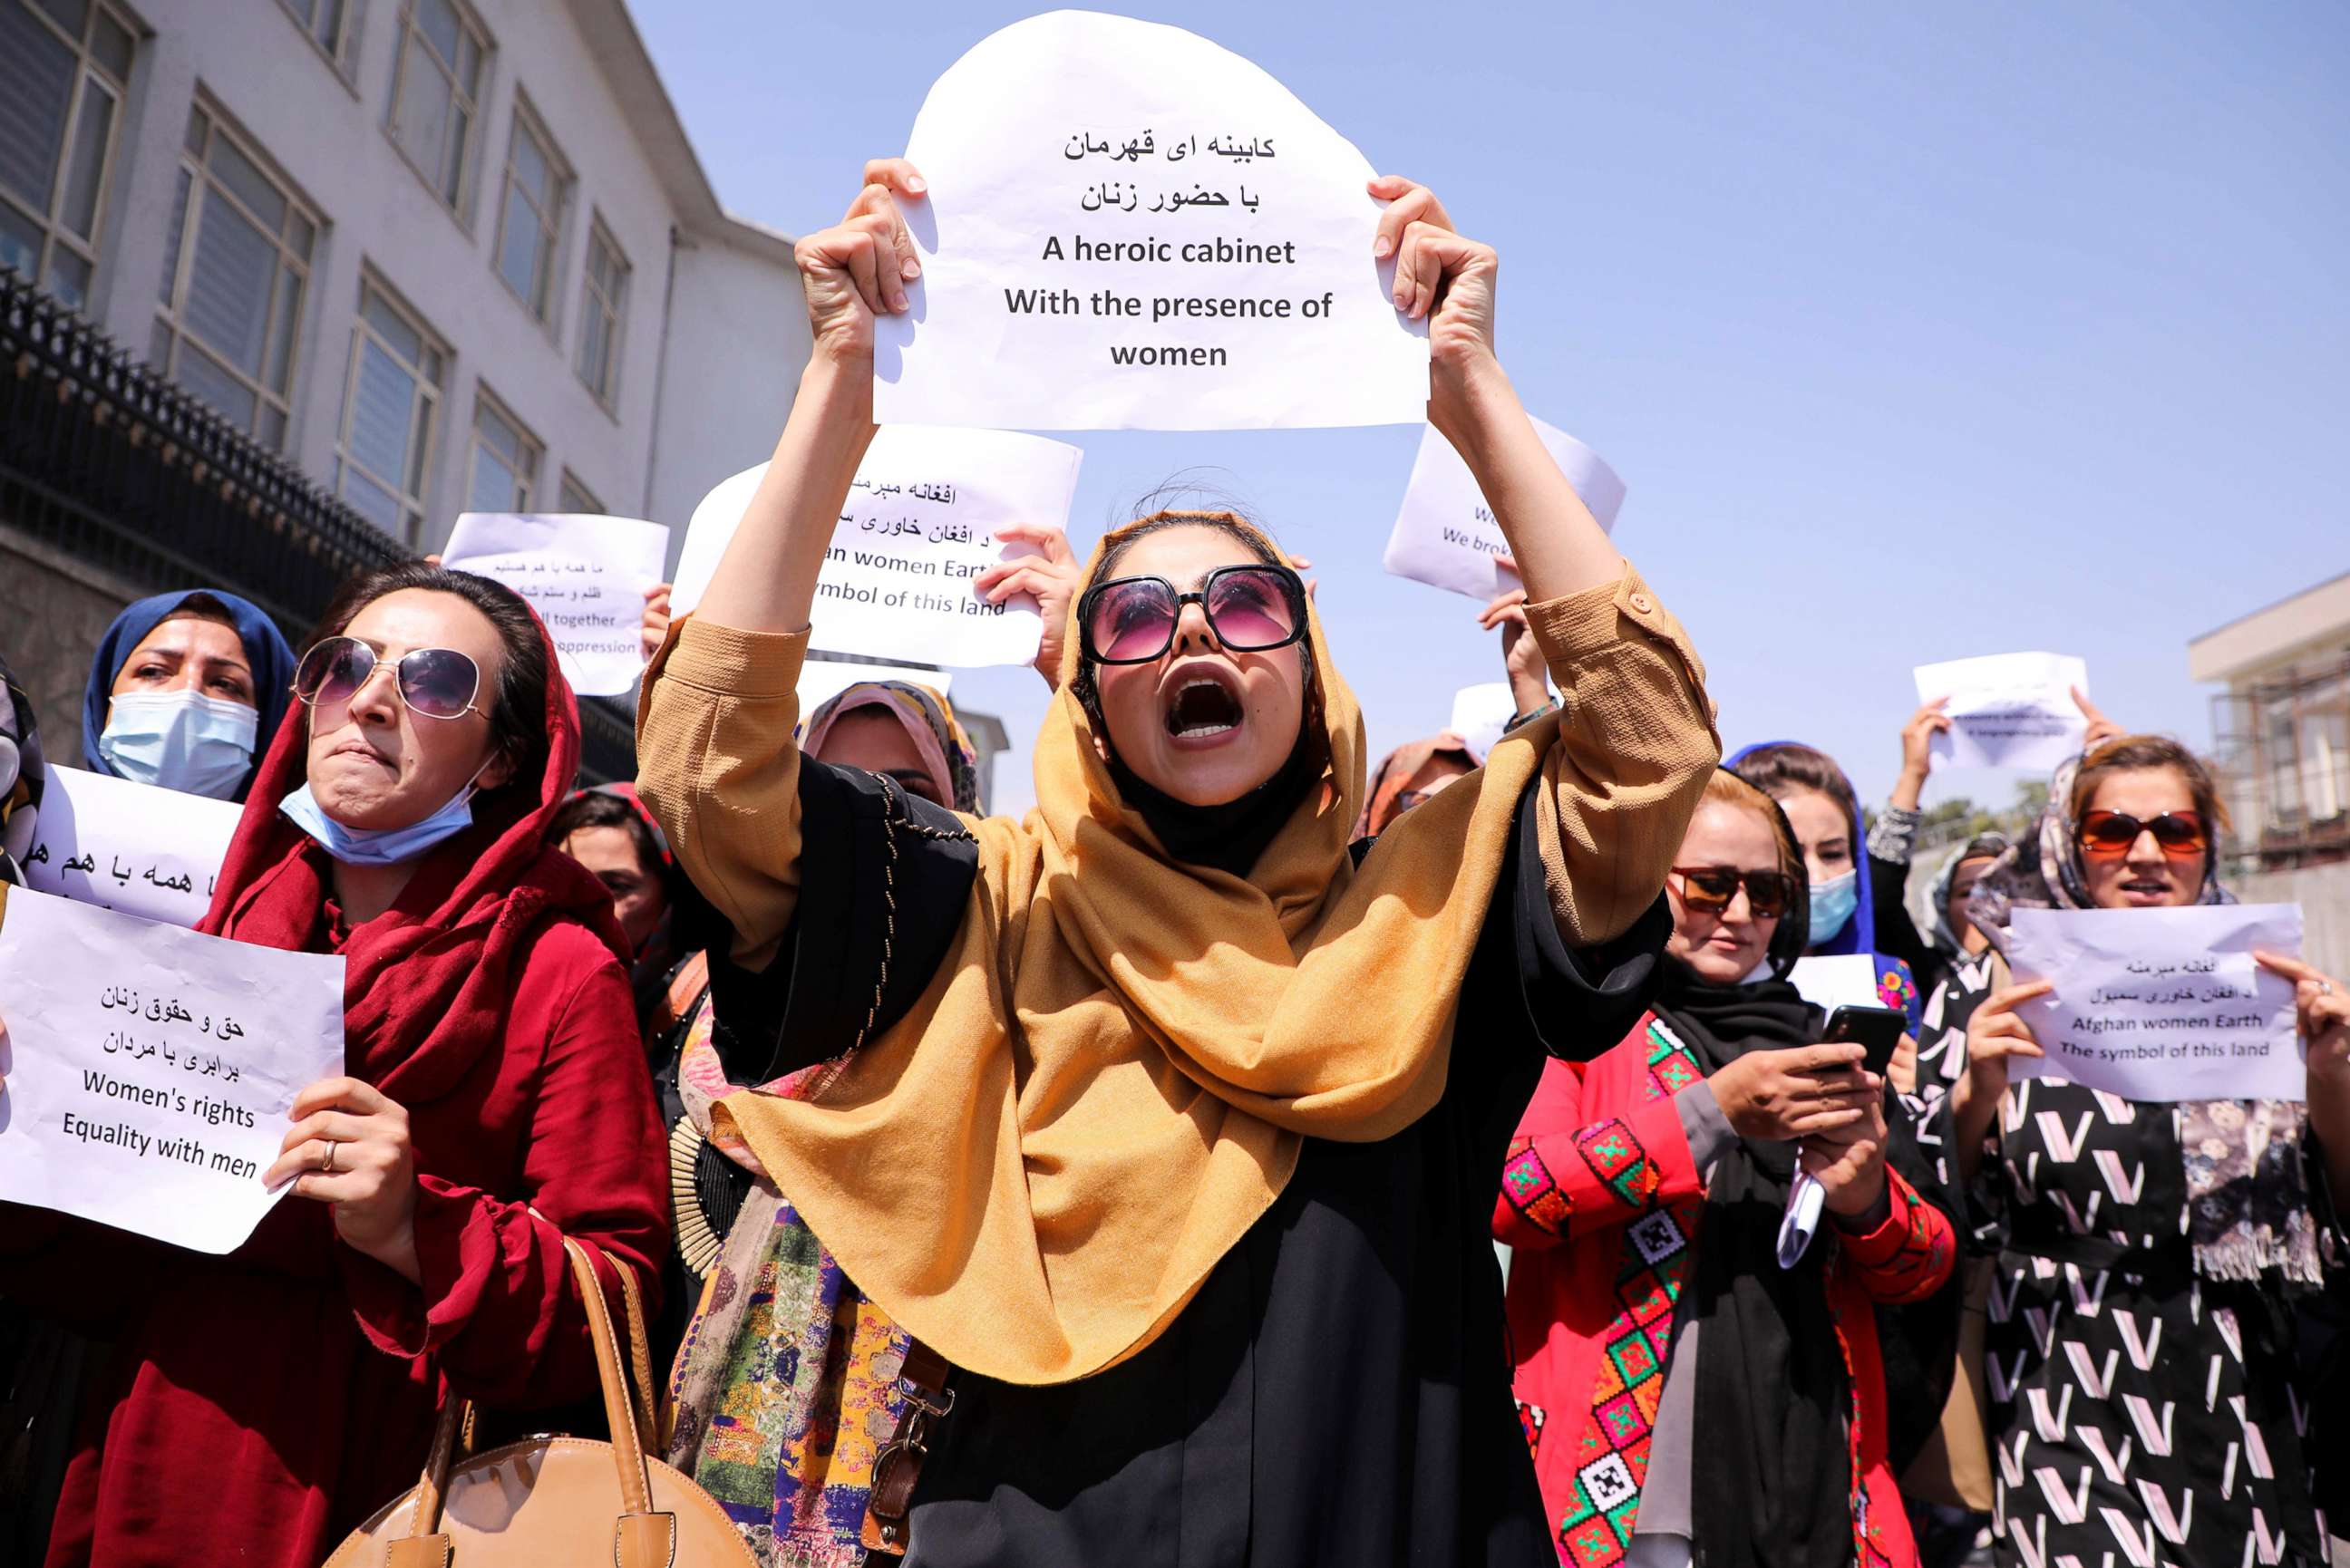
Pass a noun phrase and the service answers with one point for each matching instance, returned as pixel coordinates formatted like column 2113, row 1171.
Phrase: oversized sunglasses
column 438, row 683
column 1709, row 888
column 1131, row 620
column 2108, row 835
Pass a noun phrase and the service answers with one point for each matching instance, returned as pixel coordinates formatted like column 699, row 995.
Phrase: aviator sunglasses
column 1251, row 609
column 438, row 683
column 2108, row 835
column 1709, row 889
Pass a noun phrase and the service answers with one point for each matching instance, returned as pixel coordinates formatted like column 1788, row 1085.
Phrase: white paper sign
column 1837, row 980
column 822, row 679
column 1445, row 534
column 1130, row 228
column 1482, row 715
column 918, row 527
column 150, row 852
column 2008, row 710
column 2162, row 1004
column 586, row 576
column 151, row 1071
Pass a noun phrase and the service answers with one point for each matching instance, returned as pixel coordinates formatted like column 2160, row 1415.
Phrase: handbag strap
column 898, row 1466
column 631, row 1425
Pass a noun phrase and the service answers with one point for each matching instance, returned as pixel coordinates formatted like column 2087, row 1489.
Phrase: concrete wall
column 738, row 336
column 327, row 137
column 53, row 610
column 2324, row 894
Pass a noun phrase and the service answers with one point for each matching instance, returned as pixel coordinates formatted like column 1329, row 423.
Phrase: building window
column 237, row 266
column 436, row 83
column 391, row 404
column 333, row 25
column 63, row 65
column 530, row 220
column 603, row 308
column 577, row 498
column 505, row 460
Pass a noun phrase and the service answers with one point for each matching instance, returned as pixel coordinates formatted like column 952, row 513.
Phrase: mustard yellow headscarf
column 1110, row 1078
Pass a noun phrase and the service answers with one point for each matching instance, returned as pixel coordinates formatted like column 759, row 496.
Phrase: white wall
column 328, row 137
column 738, row 336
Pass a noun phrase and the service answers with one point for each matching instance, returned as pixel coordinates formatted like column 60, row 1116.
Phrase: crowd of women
column 1120, row 1184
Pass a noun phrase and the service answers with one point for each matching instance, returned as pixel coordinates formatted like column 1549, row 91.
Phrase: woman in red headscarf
column 263, row 1403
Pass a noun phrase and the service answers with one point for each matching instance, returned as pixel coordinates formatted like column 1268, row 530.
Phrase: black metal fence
column 106, row 461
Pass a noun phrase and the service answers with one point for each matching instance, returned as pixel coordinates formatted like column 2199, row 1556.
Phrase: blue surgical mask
column 182, row 740
column 379, row 846
column 1833, row 902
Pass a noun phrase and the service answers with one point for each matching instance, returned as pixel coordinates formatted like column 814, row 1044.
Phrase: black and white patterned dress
column 2140, row 1416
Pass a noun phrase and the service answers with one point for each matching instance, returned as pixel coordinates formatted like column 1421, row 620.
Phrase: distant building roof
column 2317, row 619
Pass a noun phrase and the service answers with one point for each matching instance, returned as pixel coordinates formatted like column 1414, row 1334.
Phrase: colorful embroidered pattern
column 1526, row 1182
column 1612, row 1454
column 1672, row 1066
column 1529, row 1420
column 1616, row 1157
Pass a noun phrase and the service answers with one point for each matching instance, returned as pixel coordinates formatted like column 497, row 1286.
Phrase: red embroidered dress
column 1600, row 1198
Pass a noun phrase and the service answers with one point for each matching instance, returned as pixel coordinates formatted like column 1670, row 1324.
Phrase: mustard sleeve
column 719, row 769
column 1636, row 742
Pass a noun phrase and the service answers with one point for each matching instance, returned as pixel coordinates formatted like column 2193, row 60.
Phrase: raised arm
column 1636, row 736
column 717, row 766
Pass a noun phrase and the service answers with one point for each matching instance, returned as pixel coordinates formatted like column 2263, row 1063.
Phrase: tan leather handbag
column 556, row 1499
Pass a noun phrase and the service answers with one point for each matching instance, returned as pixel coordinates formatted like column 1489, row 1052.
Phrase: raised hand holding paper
column 1445, row 534
column 918, row 526
column 586, row 576
column 150, row 852
column 149, row 1070
column 1130, row 228
column 2008, row 710
column 2161, row 1004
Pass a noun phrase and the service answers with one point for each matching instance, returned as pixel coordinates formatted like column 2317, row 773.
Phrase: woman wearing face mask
column 185, row 691
column 1688, row 1399
column 1846, row 909
column 1152, row 1142
column 494, row 1104
column 2145, row 1400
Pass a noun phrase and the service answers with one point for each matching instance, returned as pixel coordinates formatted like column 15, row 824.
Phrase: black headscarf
column 1227, row 837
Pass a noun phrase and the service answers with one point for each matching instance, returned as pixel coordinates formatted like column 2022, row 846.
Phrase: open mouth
column 1202, row 710
column 2145, row 891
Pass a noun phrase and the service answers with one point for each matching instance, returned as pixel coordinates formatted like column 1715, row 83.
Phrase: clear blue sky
column 1916, row 332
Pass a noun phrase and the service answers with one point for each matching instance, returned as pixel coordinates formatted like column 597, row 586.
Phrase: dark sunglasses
column 1251, row 609
column 438, row 683
column 2108, row 835
column 1709, row 888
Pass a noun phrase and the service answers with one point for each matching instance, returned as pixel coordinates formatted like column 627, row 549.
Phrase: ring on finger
column 327, row 1160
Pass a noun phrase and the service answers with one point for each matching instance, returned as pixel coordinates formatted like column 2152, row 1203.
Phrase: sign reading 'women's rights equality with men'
column 152, row 1071
column 1446, row 535
column 917, row 528
column 1127, row 227
column 2162, row 1004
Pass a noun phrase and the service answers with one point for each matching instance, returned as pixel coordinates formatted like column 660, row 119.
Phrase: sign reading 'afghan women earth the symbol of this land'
column 1127, row 227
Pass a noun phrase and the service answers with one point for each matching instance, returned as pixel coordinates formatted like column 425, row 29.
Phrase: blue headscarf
column 1895, row 984
column 266, row 652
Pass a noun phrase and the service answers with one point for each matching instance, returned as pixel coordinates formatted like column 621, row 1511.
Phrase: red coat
column 263, row 1403
column 1598, row 1192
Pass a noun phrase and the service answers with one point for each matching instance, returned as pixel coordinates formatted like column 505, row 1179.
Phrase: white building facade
column 441, row 255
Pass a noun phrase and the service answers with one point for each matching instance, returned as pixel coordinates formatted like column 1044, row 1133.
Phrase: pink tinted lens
column 438, row 682
column 1249, row 609
column 332, row 670
column 1132, row 620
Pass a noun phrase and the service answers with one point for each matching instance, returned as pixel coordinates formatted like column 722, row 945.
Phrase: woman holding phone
column 1644, row 1194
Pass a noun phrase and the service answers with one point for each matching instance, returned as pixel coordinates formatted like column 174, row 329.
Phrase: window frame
column 527, row 122
column 425, row 406
column 343, row 57
column 204, row 188
column 460, row 205
column 487, row 402
column 614, row 311
column 51, row 223
column 569, row 489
